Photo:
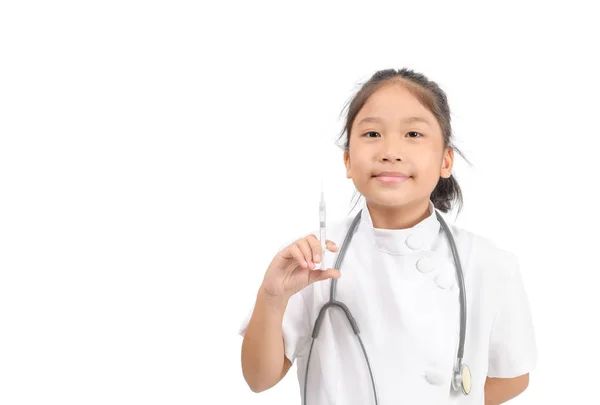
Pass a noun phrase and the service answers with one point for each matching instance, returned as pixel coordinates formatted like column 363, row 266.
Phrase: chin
column 388, row 199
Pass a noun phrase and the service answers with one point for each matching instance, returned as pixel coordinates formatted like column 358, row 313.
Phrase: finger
column 294, row 252
column 306, row 251
column 315, row 246
column 331, row 246
column 320, row 275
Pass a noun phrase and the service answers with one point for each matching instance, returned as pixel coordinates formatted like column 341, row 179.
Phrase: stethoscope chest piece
column 462, row 379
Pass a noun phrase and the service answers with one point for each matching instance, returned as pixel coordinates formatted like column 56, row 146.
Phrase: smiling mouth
column 391, row 178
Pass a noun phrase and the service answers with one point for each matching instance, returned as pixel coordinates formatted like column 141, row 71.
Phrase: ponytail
column 445, row 193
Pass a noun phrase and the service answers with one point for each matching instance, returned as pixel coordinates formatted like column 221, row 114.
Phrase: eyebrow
column 377, row 120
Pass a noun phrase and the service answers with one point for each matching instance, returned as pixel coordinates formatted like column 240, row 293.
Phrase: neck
column 398, row 216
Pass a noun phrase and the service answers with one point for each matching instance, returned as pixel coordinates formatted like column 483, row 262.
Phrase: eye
column 368, row 134
column 414, row 133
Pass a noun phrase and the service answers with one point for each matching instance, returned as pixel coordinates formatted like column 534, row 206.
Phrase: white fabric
column 401, row 288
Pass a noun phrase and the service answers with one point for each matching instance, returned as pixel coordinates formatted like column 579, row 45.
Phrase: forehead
column 394, row 102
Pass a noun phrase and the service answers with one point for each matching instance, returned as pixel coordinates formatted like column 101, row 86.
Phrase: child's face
column 383, row 138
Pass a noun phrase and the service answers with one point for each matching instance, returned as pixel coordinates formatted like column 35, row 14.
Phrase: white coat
column 401, row 287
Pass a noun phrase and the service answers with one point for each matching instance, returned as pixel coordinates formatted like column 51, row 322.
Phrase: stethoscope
column 461, row 378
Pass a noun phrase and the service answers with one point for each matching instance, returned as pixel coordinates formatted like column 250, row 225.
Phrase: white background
column 154, row 155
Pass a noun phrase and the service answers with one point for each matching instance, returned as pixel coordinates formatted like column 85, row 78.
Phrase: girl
column 399, row 277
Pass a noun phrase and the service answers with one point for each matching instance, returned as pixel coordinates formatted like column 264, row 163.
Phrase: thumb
column 320, row 275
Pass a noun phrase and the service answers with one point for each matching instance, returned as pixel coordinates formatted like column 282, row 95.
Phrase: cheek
column 361, row 162
column 429, row 162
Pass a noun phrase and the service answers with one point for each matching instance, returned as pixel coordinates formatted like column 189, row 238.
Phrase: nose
column 390, row 152
column 389, row 156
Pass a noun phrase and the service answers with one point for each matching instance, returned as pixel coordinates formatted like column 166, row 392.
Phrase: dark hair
column 447, row 191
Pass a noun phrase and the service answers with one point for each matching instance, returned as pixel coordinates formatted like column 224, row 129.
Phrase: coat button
column 425, row 265
column 434, row 377
column 444, row 281
column 414, row 241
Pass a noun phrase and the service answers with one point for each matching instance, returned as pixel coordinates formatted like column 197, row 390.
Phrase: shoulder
column 484, row 255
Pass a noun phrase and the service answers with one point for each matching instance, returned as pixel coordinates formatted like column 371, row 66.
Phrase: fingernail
column 318, row 258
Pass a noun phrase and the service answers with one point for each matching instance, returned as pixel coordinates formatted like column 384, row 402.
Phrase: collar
column 418, row 238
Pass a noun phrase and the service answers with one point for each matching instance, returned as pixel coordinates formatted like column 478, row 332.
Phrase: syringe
column 322, row 227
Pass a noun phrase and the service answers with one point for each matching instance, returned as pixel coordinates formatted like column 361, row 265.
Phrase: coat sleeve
column 512, row 349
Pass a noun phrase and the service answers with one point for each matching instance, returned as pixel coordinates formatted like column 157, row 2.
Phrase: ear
column 447, row 163
column 347, row 164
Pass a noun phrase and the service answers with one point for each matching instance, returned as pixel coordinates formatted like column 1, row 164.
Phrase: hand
column 294, row 268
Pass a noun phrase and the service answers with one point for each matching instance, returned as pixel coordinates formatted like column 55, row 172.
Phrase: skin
column 393, row 131
column 384, row 138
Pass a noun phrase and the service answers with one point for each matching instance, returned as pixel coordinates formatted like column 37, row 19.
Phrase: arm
column 263, row 360
column 500, row 390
